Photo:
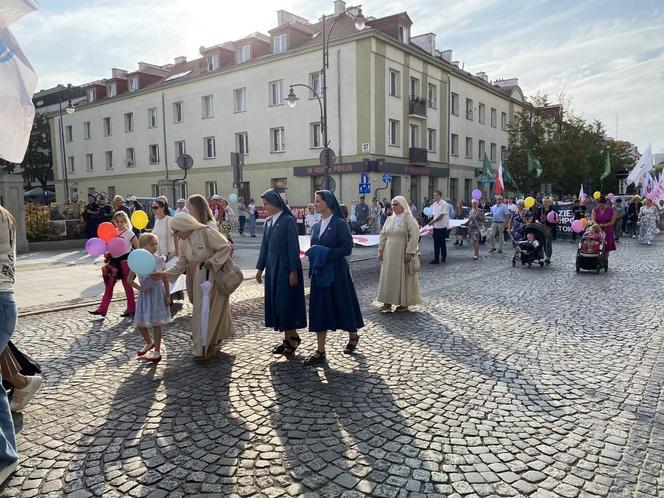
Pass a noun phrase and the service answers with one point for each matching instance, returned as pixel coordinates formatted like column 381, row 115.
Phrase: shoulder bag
column 229, row 277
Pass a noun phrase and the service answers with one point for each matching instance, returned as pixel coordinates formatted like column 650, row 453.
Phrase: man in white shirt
column 440, row 221
column 181, row 207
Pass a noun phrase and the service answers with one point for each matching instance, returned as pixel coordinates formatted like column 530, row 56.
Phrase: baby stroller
column 358, row 229
column 591, row 254
column 525, row 251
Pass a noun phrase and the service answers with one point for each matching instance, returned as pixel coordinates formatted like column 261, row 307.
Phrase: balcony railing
column 417, row 107
column 417, row 155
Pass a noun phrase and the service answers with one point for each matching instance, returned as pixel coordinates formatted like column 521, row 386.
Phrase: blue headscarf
column 331, row 202
column 274, row 198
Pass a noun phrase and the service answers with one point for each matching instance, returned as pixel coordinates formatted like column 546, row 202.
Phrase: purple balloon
column 118, row 246
column 477, row 194
column 95, row 247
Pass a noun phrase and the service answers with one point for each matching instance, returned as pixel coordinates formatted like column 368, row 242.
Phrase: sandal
column 281, row 348
column 352, row 344
column 286, row 347
column 317, row 358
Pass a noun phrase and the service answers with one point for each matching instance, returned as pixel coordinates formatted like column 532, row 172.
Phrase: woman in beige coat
column 205, row 250
column 398, row 246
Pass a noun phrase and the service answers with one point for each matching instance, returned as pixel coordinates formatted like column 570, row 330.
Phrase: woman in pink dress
column 605, row 217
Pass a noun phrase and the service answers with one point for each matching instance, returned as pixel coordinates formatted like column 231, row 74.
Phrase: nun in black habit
column 333, row 302
column 285, row 308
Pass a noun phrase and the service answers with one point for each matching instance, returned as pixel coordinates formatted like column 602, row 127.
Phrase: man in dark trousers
column 440, row 221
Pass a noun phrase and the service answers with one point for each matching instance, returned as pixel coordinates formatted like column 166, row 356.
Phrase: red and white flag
column 499, row 186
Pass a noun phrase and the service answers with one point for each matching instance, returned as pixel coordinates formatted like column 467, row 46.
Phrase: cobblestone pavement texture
column 506, row 382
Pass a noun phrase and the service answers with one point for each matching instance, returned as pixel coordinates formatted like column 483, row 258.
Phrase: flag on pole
column 17, row 85
column 498, row 186
column 581, row 193
column 534, row 166
column 643, row 165
column 607, row 166
column 487, row 171
column 508, row 178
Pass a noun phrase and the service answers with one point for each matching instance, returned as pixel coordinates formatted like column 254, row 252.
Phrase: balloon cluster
column 106, row 241
column 579, row 226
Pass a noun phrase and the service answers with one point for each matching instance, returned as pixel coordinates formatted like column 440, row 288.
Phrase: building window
column 404, row 37
column 469, row 109
column 503, row 121
column 154, row 154
column 244, row 53
column 242, row 143
column 280, row 44
column 393, row 138
column 86, row 130
column 431, row 140
column 481, row 149
column 481, row 113
column 69, row 133
column 454, row 188
column 492, row 152
column 414, row 135
column 152, row 117
column 467, row 189
column 469, row 148
column 454, row 145
column 395, row 83
column 455, row 104
column 92, row 94
column 207, row 103
column 240, row 100
column 280, row 184
column 107, row 127
column 178, row 112
column 180, row 148
column 210, row 188
column 89, row 163
column 277, row 140
column 493, row 117
column 210, row 148
column 112, row 90
column 109, row 159
column 154, row 189
column 110, row 191
column 503, row 153
column 316, row 82
column 276, row 92
column 414, row 87
column 316, row 132
column 70, row 164
column 212, row 62
column 133, row 83
column 130, row 159
column 432, row 96
column 129, row 122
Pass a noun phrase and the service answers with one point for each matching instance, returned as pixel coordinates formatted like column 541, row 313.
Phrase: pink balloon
column 551, row 217
column 577, row 226
column 584, row 201
column 95, row 247
column 650, row 196
column 610, row 196
column 118, row 246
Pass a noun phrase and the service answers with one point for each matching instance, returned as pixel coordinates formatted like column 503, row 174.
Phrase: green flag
column 508, row 178
column 487, row 175
column 534, row 166
column 607, row 167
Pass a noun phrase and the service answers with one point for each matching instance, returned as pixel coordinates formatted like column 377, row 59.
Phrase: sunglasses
column 155, row 207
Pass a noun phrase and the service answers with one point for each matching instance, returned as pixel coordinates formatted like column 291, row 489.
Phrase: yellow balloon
column 139, row 219
column 597, row 195
column 529, row 202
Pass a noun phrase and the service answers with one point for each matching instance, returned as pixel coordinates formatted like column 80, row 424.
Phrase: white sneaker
column 649, row 243
column 22, row 397
column 7, row 472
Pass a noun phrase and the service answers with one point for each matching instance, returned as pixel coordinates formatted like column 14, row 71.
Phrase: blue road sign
column 365, row 188
column 364, row 177
column 387, row 178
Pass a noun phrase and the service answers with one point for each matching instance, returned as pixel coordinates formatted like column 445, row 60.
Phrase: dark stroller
column 358, row 229
column 591, row 254
column 525, row 251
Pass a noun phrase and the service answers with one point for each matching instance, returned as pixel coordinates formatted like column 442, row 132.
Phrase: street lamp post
column 292, row 99
column 69, row 110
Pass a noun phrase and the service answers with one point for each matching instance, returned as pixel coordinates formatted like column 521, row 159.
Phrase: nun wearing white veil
column 397, row 247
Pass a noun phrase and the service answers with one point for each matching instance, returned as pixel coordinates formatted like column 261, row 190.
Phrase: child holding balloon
column 152, row 308
column 119, row 245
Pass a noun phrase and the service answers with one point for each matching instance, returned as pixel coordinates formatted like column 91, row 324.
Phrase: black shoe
column 500, row 251
column 253, row 236
column 317, row 358
column 434, row 262
column 547, row 261
column 456, row 243
column 492, row 250
column 125, row 315
column 287, row 347
column 97, row 313
column 352, row 344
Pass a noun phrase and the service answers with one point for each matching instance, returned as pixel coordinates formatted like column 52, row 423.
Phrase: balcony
column 417, row 155
column 417, row 107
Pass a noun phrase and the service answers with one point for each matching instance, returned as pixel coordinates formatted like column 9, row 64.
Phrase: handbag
column 109, row 273
column 414, row 265
column 229, row 277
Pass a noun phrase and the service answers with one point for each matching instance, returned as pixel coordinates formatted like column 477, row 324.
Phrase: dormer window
column 213, row 62
column 244, row 53
column 112, row 89
column 92, row 94
column 280, row 44
column 133, row 83
column 404, row 36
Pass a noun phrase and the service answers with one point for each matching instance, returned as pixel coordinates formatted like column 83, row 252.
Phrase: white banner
column 181, row 283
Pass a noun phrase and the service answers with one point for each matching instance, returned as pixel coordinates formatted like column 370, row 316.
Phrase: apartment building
column 389, row 98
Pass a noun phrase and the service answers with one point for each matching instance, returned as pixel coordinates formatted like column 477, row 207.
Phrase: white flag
column 643, row 165
column 581, row 193
column 17, row 84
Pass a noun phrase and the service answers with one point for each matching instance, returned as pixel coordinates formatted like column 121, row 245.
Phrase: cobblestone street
column 506, row 382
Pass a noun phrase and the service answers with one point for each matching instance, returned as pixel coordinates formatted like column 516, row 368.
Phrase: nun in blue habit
column 285, row 308
column 333, row 302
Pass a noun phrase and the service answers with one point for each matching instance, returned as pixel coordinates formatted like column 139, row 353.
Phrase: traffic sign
column 387, row 178
column 365, row 188
column 364, row 177
column 327, row 157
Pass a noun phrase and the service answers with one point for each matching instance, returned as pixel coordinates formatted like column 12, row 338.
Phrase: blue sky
column 606, row 57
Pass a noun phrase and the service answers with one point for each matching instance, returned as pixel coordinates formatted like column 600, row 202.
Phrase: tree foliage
column 571, row 150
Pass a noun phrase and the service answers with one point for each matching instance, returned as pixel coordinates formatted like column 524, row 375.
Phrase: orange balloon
column 106, row 231
column 585, row 222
